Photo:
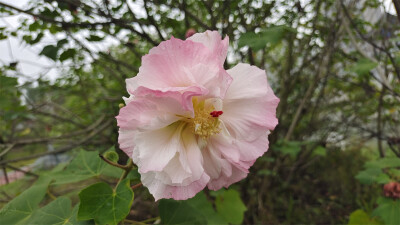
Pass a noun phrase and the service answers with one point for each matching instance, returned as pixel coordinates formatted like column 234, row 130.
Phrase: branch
column 62, row 149
column 152, row 21
column 369, row 41
column 49, row 139
column 21, row 170
column 7, row 150
column 115, row 21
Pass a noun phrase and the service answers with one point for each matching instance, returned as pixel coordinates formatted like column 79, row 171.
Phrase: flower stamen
column 205, row 122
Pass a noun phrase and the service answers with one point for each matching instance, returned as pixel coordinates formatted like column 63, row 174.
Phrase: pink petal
column 225, row 181
column 251, row 150
column 248, row 82
column 177, row 64
column 213, row 41
column 215, row 164
column 161, row 190
column 249, row 104
column 174, row 99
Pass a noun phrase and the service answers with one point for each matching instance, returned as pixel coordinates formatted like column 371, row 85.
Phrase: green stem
column 150, row 220
column 127, row 169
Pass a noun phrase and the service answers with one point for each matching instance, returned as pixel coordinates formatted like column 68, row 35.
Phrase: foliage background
column 334, row 64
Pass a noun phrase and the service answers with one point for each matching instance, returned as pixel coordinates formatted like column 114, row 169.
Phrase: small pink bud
column 190, row 32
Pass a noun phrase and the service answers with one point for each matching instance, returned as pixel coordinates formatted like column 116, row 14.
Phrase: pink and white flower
column 189, row 123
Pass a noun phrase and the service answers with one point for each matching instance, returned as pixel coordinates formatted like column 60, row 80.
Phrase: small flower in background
column 190, row 32
column 392, row 190
column 189, row 123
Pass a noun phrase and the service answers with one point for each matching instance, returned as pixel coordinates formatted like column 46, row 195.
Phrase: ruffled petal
column 248, row 82
column 125, row 140
column 213, row 41
column 176, row 64
column 250, row 104
column 250, row 150
column 225, row 180
column 173, row 100
column 145, row 114
column 156, row 148
column 161, row 190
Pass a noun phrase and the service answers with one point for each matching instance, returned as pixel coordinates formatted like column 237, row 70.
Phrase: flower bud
column 392, row 190
column 190, row 32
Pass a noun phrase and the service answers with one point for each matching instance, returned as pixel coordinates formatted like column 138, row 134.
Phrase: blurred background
column 334, row 64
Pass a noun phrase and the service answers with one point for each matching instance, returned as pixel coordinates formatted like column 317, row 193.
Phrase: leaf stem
column 127, row 169
column 50, row 194
column 150, row 220
column 136, row 185
column 113, row 163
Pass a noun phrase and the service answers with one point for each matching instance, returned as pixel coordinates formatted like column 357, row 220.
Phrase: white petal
column 157, row 148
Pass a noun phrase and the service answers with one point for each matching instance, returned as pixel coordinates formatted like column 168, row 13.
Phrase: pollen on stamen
column 216, row 113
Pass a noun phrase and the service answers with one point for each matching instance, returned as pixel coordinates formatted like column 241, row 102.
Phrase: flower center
column 205, row 122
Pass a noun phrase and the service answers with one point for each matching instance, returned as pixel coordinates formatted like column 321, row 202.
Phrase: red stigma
column 216, row 113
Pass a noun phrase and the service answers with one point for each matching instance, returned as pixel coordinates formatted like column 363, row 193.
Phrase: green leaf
column 69, row 53
column 197, row 210
column 372, row 175
column 384, row 163
column 360, row 217
column 179, row 212
column 291, row 148
column 105, row 205
column 8, row 82
column 204, row 207
column 58, row 211
column 37, row 39
column 34, row 26
column 94, row 38
column 266, row 172
column 84, row 166
column 319, row 151
column 50, row 51
column 18, row 210
column 111, row 155
column 61, row 42
column 271, row 36
column 388, row 210
column 363, row 66
column 230, row 206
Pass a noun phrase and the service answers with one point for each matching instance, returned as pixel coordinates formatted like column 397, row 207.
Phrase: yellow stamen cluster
column 203, row 124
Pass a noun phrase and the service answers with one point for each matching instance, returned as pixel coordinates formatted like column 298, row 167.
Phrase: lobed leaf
column 104, row 204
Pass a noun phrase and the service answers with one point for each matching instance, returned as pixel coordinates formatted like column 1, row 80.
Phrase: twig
column 136, row 186
column 128, row 169
column 6, row 150
column 62, row 149
column 113, row 163
column 21, row 170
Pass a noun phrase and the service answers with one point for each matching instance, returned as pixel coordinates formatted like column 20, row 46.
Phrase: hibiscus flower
column 189, row 123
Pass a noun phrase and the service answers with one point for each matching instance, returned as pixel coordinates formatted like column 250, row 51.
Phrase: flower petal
column 125, row 140
column 213, row 41
column 176, row 64
column 156, row 148
column 225, row 181
column 161, row 190
column 249, row 104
